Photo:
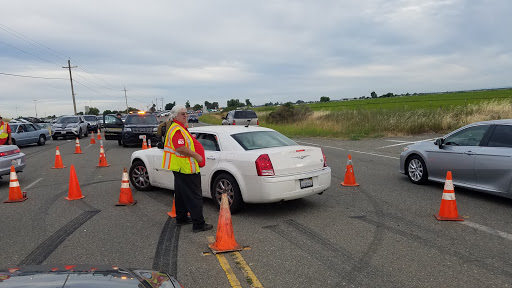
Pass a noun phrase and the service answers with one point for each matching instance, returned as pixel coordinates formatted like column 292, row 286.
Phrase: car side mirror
column 439, row 142
column 160, row 145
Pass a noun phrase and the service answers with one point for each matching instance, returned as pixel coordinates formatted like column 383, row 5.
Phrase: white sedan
column 251, row 164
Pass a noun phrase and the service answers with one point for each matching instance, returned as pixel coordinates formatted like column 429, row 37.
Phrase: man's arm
column 183, row 150
column 9, row 133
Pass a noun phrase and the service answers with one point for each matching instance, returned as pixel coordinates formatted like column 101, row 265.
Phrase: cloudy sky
column 264, row 51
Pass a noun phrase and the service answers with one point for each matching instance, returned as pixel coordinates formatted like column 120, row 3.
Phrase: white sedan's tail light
column 234, row 123
column 264, row 166
column 325, row 159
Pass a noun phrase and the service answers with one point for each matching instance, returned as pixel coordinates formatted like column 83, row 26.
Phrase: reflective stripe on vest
column 3, row 131
column 173, row 160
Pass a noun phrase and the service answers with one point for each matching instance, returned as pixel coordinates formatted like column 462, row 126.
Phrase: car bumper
column 260, row 189
column 403, row 156
column 6, row 162
column 133, row 138
column 65, row 132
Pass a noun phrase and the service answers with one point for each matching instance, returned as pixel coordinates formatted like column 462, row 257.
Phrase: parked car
column 92, row 122
column 11, row 155
column 132, row 131
column 241, row 117
column 251, row 164
column 193, row 119
column 479, row 156
column 74, row 126
column 84, row 276
column 100, row 121
column 28, row 133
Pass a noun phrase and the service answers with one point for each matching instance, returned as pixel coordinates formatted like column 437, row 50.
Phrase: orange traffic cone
column 125, row 197
column 350, row 179
column 92, row 138
column 15, row 194
column 225, row 238
column 144, row 144
column 77, row 147
column 149, row 143
column 448, row 209
column 99, row 134
column 172, row 214
column 74, row 192
column 58, row 160
column 103, row 158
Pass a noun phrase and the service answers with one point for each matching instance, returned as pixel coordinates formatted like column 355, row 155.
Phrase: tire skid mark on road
column 45, row 249
column 40, row 150
column 166, row 253
column 493, row 267
column 330, row 255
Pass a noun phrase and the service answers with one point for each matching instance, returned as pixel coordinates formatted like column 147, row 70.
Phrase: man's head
column 179, row 112
column 118, row 115
column 1, row 118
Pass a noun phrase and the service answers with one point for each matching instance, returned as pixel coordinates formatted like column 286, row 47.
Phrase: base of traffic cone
column 441, row 218
column 126, row 204
column 18, row 200
column 349, row 185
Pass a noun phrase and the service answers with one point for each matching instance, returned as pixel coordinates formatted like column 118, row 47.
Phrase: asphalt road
column 380, row 234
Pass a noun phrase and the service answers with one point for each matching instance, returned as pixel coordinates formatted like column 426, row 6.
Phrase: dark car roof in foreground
column 83, row 276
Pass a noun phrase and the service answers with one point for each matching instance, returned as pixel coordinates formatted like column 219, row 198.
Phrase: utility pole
column 71, row 79
column 163, row 108
column 35, row 107
column 126, row 99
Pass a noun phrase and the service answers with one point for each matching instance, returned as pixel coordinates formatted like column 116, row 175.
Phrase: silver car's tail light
column 11, row 152
column 264, row 166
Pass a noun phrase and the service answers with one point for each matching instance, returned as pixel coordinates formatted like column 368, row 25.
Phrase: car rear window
column 262, row 139
column 245, row 114
column 141, row 119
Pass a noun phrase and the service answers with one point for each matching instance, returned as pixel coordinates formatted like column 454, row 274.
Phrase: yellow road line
column 247, row 270
column 231, row 276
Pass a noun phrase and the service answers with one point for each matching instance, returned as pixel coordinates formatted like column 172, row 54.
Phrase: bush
column 289, row 113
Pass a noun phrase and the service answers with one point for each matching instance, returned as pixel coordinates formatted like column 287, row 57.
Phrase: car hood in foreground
column 83, row 276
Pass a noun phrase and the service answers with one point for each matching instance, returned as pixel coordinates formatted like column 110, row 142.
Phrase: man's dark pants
column 188, row 198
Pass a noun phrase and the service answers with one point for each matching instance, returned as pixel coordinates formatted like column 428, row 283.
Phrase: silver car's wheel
column 139, row 176
column 417, row 170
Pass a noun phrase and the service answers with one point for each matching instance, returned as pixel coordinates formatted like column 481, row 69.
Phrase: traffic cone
column 144, row 144
column 77, row 147
column 149, row 143
column 350, row 179
column 15, row 194
column 74, row 192
column 103, row 158
column 58, row 160
column 92, row 138
column 99, row 134
column 225, row 238
column 125, row 197
column 448, row 209
column 172, row 214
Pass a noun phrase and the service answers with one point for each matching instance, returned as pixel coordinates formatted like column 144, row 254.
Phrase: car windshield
column 245, row 114
column 63, row 120
column 90, row 118
column 142, row 119
column 262, row 139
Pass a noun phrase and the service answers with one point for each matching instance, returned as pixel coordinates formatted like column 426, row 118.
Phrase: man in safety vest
column 181, row 157
column 5, row 133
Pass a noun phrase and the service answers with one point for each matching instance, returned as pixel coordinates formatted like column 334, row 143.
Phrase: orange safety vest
column 174, row 161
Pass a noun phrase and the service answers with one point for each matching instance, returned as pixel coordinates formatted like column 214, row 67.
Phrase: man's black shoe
column 184, row 222
column 205, row 227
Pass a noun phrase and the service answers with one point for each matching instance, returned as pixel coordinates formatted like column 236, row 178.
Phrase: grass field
column 396, row 116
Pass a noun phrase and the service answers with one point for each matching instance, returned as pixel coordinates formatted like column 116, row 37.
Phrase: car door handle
column 211, row 158
column 469, row 153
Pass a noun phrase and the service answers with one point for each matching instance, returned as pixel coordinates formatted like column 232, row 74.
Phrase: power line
column 28, row 52
column 36, row 77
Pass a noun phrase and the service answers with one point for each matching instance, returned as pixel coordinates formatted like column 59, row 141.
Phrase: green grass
column 395, row 116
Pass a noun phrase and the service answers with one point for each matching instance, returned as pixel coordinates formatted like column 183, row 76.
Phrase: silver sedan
column 479, row 156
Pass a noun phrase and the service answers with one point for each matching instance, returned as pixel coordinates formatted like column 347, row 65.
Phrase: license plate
column 305, row 183
column 16, row 162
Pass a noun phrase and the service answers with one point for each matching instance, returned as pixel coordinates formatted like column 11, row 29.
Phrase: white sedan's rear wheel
column 139, row 176
column 225, row 183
